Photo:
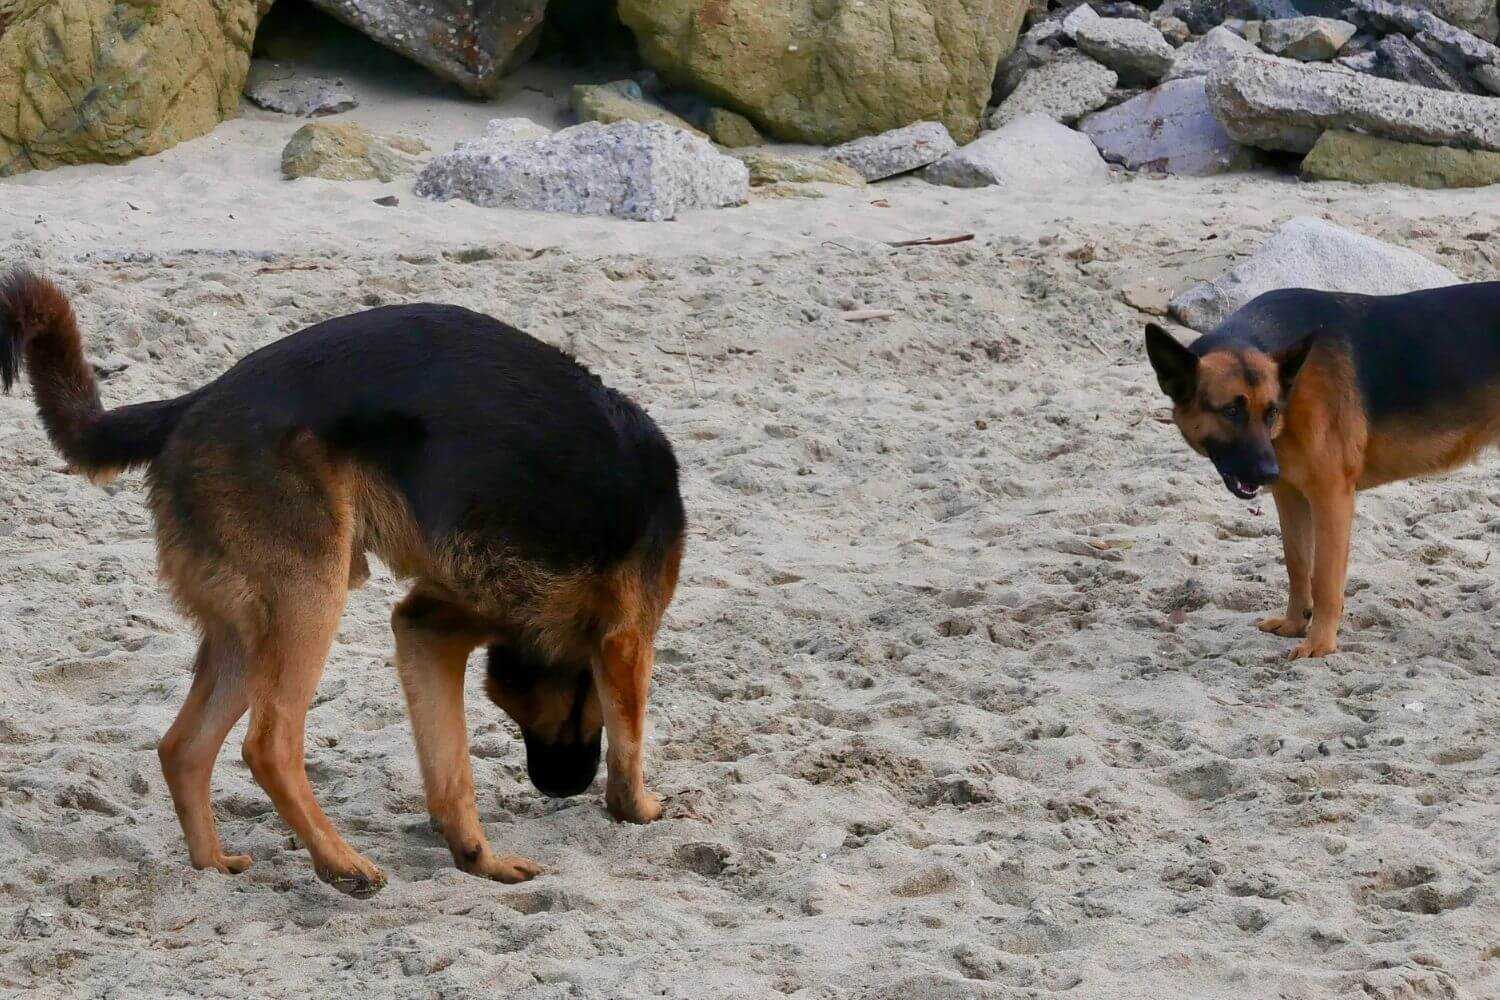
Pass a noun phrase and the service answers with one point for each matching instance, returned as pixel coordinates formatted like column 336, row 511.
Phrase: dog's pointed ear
column 1289, row 363
column 1176, row 366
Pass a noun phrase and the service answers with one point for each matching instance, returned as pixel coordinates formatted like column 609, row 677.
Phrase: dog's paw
column 360, row 878
column 1312, row 649
column 226, row 864
column 507, row 868
column 642, row 808
column 1289, row 628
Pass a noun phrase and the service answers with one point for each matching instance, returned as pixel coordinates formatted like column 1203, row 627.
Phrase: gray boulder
column 1397, row 57
column 280, row 88
column 1276, row 104
column 1133, row 49
column 1488, row 77
column 1033, row 151
column 1383, row 17
column 645, row 171
column 1065, row 89
column 1310, row 253
column 1081, row 15
column 895, row 152
column 1170, row 130
column 1306, row 39
column 1214, row 49
column 1203, row 15
column 472, row 44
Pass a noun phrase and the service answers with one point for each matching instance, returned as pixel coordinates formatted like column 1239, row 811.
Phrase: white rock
column 1170, row 129
column 1310, row 253
column 1134, row 49
column 635, row 170
column 1081, row 15
column 1202, row 57
column 1030, row 152
column 897, row 151
column 1066, row 89
column 281, row 88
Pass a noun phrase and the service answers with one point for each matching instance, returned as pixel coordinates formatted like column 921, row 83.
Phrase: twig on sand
column 933, row 241
column 290, row 267
column 863, row 315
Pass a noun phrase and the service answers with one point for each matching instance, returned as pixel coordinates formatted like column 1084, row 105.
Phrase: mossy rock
column 346, row 151
column 1366, row 159
column 827, row 71
column 96, row 81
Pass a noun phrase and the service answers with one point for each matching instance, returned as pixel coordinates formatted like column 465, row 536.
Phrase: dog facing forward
column 1318, row 395
column 536, row 511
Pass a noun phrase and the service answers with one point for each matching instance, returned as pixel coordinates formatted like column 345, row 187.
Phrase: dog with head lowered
column 1317, row 395
column 536, row 511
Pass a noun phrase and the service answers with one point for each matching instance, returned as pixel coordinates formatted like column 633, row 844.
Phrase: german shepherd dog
column 1317, row 395
column 536, row 511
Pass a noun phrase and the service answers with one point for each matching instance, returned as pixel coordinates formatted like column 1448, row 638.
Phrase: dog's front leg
column 624, row 680
column 1332, row 506
column 1295, row 514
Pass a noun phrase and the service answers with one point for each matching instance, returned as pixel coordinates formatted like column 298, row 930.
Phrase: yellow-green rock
column 827, row 71
column 345, row 151
column 622, row 101
column 104, row 81
column 1365, row 159
column 732, row 130
column 769, row 167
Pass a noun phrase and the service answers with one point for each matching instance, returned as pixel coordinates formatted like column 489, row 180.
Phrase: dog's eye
column 1234, row 411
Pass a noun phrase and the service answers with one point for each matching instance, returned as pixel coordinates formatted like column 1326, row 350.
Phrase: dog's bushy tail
column 38, row 332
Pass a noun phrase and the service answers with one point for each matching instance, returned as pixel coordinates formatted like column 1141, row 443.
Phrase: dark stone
column 1398, row 58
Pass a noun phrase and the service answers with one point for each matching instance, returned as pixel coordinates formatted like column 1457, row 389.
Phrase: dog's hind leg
column 1297, row 543
column 433, row 641
column 623, row 676
column 285, row 663
column 215, row 703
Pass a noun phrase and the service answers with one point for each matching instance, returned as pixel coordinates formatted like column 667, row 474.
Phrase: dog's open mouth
column 1239, row 487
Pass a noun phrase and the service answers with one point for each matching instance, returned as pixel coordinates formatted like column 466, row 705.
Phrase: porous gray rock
column 1080, row 15
column 895, row 152
column 1208, row 53
column 1488, row 77
column 645, row 171
column 473, row 45
column 1133, row 49
column 1034, row 151
column 1204, row 15
column 1310, row 253
column 1066, row 89
column 1169, row 130
column 1384, row 17
column 1277, row 104
column 280, row 88
column 1306, row 39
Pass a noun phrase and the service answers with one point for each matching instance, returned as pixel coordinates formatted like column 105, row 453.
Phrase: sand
column 961, row 695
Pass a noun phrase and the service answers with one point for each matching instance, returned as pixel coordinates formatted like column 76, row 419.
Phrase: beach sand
column 961, row 695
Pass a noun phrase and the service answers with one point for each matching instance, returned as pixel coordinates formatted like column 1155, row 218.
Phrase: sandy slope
column 961, row 696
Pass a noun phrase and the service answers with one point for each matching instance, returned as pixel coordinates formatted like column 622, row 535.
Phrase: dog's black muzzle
column 562, row 769
column 1244, row 470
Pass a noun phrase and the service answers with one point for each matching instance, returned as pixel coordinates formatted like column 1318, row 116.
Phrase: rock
column 280, row 88
column 1310, row 253
column 388, row 201
column 1397, row 57
column 1081, row 15
column 646, row 171
column 1009, row 75
column 1121, row 8
column 346, row 151
column 1472, row 17
column 1065, row 89
column 95, row 81
column 1174, row 30
column 1248, row 30
column 1133, row 49
column 1275, row 104
column 472, row 45
column 833, row 70
column 1362, row 62
column 621, row 101
column 1488, row 77
column 896, row 152
column 1204, row 15
column 1214, row 49
column 1033, row 151
column 770, row 167
column 1169, row 130
column 1383, row 17
column 732, row 130
column 1364, row 159
column 1306, row 39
